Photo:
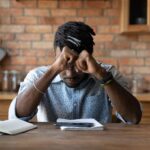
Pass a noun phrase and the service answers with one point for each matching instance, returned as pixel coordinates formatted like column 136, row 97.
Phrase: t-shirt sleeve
column 117, row 76
column 31, row 77
column 12, row 112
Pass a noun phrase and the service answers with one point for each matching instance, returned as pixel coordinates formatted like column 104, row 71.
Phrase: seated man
column 75, row 85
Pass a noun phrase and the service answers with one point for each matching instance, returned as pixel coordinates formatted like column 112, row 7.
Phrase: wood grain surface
column 47, row 137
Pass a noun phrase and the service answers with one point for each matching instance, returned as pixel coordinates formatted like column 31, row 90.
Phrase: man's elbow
column 137, row 118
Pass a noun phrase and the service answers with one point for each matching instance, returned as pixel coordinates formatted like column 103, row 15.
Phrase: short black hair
column 78, row 31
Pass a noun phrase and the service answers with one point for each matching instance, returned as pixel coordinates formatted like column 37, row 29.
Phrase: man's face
column 70, row 76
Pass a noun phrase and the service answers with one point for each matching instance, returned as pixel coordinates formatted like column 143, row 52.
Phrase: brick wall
column 27, row 28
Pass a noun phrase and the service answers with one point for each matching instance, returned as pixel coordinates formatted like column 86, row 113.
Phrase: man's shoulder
column 108, row 67
column 118, row 76
column 36, row 72
column 39, row 70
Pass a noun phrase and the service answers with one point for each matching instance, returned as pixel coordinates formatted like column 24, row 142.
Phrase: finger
column 65, row 49
column 66, row 57
column 78, row 68
column 82, row 64
column 84, row 53
column 69, row 60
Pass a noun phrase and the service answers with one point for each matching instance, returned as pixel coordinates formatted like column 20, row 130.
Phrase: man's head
column 77, row 36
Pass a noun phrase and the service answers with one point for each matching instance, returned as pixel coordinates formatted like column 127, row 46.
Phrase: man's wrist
column 107, row 79
column 52, row 71
column 101, row 73
column 54, row 68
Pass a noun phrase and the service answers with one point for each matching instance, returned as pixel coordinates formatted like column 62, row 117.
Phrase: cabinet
column 135, row 16
column 5, row 100
column 145, row 103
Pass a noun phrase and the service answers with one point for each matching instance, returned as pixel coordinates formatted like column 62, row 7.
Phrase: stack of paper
column 15, row 126
column 66, row 124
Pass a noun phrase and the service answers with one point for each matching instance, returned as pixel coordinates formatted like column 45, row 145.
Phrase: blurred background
column 122, row 38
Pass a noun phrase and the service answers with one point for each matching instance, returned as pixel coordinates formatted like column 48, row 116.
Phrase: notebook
column 15, row 126
column 79, row 124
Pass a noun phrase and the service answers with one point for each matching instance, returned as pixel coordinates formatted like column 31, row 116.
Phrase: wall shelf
column 127, row 26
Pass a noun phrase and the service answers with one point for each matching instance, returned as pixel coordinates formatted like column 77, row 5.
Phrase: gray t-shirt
column 88, row 100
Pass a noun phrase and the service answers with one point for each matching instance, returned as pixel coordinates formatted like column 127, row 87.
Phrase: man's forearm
column 28, row 100
column 124, row 102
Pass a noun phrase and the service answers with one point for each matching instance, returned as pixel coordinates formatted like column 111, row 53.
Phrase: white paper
column 15, row 126
column 96, row 124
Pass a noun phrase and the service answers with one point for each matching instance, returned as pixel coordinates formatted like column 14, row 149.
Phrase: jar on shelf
column 5, row 80
column 14, row 80
column 137, row 84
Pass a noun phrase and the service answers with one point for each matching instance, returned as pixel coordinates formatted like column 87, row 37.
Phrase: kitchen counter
column 142, row 97
column 5, row 100
column 7, row 97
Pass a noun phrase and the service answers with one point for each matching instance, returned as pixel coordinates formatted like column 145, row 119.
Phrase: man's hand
column 87, row 64
column 64, row 59
column 83, row 62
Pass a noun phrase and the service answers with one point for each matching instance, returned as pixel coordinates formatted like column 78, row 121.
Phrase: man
column 75, row 85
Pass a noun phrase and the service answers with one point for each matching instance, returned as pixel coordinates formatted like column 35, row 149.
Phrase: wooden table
column 47, row 137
